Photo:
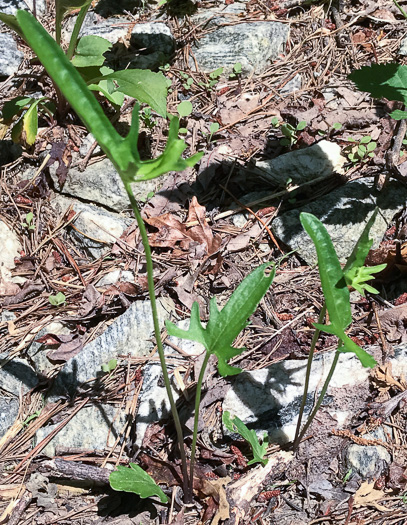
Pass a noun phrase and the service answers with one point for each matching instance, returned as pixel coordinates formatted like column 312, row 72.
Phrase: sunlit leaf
column 135, row 479
column 234, row 424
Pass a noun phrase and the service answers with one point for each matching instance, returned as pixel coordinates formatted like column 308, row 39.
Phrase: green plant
column 290, row 132
column 259, row 450
column 27, row 111
column 213, row 79
column 237, row 71
column 221, row 330
column 109, row 366
column 360, row 150
column 28, row 224
column 57, row 300
column 187, row 80
column 335, row 283
column 87, row 55
column 147, row 118
column 123, row 153
column 135, row 479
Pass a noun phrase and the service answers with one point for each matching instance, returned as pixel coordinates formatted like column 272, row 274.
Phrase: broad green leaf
column 236, row 425
column 143, row 85
column 109, row 366
column 184, row 108
column 366, row 359
column 135, row 479
column 333, row 283
column 104, row 87
column 224, row 326
column 12, row 23
column 382, row 80
column 15, row 107
column 89, row 51
column 57, row 300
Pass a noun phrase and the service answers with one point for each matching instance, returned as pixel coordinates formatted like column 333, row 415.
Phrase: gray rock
column 6, row 315
column 97, row 229
column 344, row 212
column 9, row 7
column 114, row 277
column 96, row 25
column 130, row 334
column 293, row 85
column 222, row 14
column 269, row 399
column 101, row 185
column 8, row 413
column 94, row 427
column 403, row 47
column 86, row 144
column 10, row 248
column 16, row 376
column 369, row 462
column 10, row 56
column 303, row 165
column 254, row 45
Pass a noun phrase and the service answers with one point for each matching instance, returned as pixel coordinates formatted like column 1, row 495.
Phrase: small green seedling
column 57, row 300
column 187, row 80
column 335, row 127
column 28, row 224
column 347, row 476
column 237, row 71
column 213, row 79
column 213, row 128
column 259, row 450
column 30, row 418
column 147, row 118
column 135, row 479
column 290, row 132
column 110, row 366
column 184, row 108
column 360, row 150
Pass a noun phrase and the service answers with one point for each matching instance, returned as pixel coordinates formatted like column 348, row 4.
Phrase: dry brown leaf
column 384, row 374
column 394, row 323
column 367, row 496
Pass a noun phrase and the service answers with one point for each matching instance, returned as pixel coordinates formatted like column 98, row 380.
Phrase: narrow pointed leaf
column 12, row 23
column 30, row 123
column 234, row 424
column 135, row 479
column 333, row 283
column 224, row 326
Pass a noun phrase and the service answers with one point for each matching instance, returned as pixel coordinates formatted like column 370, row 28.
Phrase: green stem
column 76, row 29
column 321, row 396
column 196, row 416
column 308, row 375
column 400, row 9
column 151, row 292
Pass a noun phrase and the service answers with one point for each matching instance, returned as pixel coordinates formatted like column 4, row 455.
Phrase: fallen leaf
column 394, row 323
column 367, row 496
column 69, row 345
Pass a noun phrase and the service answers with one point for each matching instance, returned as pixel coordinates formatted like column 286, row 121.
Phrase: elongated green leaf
column 30, row 123
column 398, row 114
column 236, row 425
column 224, row 326
column 143, row 85
column 366, row 359
column 361, row 249
column 135, row 479
column 89, row 51
column 12, row 23
column 333, row 283
column 382, row 80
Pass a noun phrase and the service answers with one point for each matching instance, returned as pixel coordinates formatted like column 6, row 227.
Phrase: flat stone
column 344, row 212
column 94, row 24
column 268, row 400
column 100, row 228
column 8, row 413
column 9, row 7
column 369, row 462
column 114, row 277
column 403, row 47
column 130, row 334
column 16, row 376
column 303, row 165
column 10, row 56
column 94, row 427
column 100, row 184
column 262, row 42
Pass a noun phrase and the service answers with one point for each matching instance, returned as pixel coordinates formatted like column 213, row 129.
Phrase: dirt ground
column 327, row 41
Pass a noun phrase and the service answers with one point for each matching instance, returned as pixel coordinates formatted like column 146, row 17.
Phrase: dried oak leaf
column 198, row 239
column 394, row 323
column 367, row 496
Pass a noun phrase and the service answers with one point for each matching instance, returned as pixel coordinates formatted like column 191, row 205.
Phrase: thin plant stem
column 308, row 375
column 321, row 395
column 151, row 292
column 196, row 417
column 400, row 9
column 76, row 29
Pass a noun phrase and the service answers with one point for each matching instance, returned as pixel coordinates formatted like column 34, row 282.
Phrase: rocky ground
column 279, row 124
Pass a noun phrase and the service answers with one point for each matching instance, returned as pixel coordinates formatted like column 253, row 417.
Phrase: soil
column 327, row 42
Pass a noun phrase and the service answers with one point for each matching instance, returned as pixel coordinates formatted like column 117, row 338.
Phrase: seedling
column 335, row 127
column 57, row 300
column 147, row 118
column 28, row 224
column 213, row 79
column 290, row 132
column 184, row 108
column 187, row 80
column 360, row 150
column 110, row 366
column 237, row 71
column 259, row 450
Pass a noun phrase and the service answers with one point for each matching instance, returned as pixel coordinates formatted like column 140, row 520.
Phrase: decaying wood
column 60, row 468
